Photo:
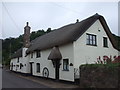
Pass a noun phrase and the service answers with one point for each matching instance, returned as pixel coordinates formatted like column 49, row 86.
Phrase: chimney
column 77, row 20
column 26, row 37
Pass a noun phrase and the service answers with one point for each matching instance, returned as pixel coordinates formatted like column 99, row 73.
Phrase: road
column 11, row 80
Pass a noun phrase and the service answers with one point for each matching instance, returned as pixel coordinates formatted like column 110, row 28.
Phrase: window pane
column 94, row 43
column 90, row 42
column 91, row 39
column 105, row 42
column 31, row 55
column 18, row 60
column 65, row 64
column 38, row 54
column 38, row 67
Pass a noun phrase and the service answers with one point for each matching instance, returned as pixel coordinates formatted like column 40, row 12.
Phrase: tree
column 11, row 45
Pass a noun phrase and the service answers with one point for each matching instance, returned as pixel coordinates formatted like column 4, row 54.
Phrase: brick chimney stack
column 26, row 37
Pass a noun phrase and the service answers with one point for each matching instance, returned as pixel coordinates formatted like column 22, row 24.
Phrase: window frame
column 18, row 60
column 32, row 55
column 91, row 39
column 38, row 66
column 66, row 65
column 105, row 42
column 38, row 54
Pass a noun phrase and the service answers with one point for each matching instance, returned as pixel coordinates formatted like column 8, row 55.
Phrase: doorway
column 31, row 68
column 57, row 66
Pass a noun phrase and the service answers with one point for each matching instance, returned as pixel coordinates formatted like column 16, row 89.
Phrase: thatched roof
column 55, row 54
column 17, row 54
column 67, row 34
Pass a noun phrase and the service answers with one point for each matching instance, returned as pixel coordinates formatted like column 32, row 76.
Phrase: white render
column 67, row 52
column 86, row 54
column 77, row 52
column 24, row 60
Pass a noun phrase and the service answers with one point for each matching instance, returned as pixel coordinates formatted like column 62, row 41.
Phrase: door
column 31, row 69
column 57, row 70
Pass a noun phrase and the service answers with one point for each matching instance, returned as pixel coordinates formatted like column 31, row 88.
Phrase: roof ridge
column 66, row 26
column 62, row 35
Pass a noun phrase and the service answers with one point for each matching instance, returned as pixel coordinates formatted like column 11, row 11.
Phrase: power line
column 74, row 11
column 10, row 16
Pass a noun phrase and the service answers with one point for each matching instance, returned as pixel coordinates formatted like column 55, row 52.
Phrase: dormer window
column 38, row 54
column 91, row 40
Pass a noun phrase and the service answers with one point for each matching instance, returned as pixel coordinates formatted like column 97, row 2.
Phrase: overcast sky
column 43, row 15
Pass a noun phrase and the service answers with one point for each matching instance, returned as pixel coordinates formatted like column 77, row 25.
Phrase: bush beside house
column 100, row 75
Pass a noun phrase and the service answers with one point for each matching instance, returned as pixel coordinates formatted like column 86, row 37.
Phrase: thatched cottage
column 59, row 54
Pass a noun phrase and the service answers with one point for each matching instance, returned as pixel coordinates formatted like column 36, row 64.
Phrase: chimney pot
column 27, row 23
column 77, row 20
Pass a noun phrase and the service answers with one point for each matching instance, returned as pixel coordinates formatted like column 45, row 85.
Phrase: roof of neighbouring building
column 67, row 34
column 17, row 54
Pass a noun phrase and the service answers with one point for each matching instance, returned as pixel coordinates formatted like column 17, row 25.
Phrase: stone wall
column 99, row 76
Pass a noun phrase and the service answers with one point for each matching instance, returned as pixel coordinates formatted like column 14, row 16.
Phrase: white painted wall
column 24, row 60
column 66, row 51
column 44, row 62
column 15, row 63
column 88, row 54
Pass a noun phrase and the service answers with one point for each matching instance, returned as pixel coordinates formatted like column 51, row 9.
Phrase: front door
column 31, row 69
column 57, row 69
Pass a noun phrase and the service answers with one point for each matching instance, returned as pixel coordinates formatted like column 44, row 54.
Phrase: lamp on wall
column 99, row 29
column 71, row 64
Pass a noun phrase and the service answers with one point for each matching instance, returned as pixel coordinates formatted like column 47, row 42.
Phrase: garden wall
column 99, row 76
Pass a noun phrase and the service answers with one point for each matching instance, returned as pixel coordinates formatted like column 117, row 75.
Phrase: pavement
column 47, row 82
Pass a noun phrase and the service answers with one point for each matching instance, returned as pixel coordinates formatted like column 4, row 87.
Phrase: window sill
column 65, row 70
column 91, row 45
column 106, row 47
column 37, row 57
column 38, row 72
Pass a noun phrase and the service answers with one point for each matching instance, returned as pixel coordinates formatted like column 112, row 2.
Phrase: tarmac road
column 10, row 80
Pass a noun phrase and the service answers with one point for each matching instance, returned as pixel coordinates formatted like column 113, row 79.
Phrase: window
column 38, row 54
column 105, row 42
column 21, row 65
column 31, row 55
column 65, row 64
column 38, row 67
column 91, row 40
column 18, row 60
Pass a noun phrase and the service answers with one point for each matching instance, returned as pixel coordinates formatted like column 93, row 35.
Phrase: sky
column 44, row 15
